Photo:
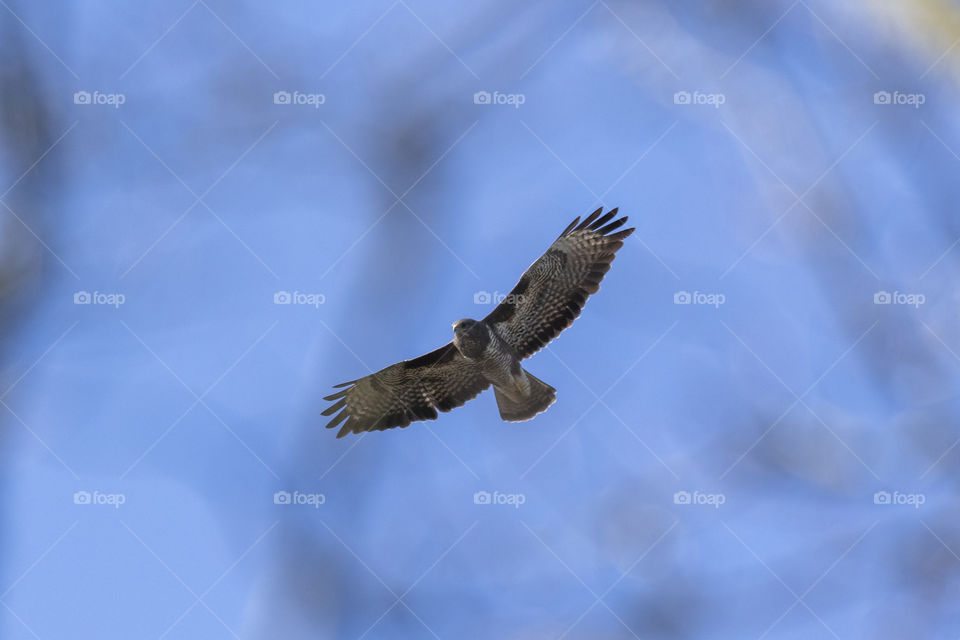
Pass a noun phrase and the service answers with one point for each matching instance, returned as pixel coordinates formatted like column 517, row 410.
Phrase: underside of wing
column 552, row 292
column 405, row 392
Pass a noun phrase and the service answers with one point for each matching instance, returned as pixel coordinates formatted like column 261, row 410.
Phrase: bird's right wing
column 552, row 291
column 406, row 392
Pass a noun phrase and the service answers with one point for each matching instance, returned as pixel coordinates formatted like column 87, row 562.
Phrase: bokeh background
column 775, row 459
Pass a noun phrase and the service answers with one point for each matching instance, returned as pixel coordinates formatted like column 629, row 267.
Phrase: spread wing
column 406, row 392
column 552, row 292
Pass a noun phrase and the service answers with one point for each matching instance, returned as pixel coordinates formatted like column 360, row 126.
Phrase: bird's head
column 470, row 337
column 463, row 326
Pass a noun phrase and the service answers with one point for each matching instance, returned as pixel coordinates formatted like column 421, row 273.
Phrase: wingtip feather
column 339, row 404
column 336, row 395
column 616, row 224
column 571, row 226
column 348, row 427
column 589, row 219
column 602, row 220
column 337, row 419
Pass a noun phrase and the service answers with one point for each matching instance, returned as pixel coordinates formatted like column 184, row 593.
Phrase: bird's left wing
column 406, row 392
column 552, row 291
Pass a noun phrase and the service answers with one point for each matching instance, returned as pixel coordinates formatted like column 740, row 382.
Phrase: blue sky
column 756, row 418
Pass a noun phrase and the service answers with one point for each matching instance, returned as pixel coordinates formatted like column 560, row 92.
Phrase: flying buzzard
column 550, row 294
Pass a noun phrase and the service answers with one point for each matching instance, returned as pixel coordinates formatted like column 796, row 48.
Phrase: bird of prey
column 548, row 297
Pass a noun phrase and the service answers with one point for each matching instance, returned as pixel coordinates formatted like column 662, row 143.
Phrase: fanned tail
column 540, row 397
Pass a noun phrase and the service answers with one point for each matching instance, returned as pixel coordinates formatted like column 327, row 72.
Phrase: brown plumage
column 549, row 296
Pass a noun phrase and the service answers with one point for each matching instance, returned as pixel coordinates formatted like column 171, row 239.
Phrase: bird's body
column 546, row 300
column 520, row 395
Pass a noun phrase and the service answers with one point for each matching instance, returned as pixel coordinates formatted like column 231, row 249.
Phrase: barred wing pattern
column 554, row 289
column 406, row 392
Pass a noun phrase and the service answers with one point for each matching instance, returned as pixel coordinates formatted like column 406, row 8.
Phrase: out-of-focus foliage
column 756, row 432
